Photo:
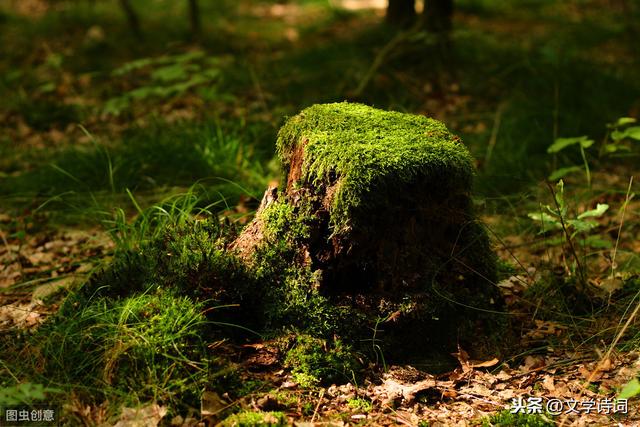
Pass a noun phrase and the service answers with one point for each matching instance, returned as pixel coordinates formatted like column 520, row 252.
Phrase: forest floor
column 99, row 127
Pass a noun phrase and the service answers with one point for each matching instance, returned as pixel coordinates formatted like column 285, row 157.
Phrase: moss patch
column 507, row 419
column 255, row 419
column 315, row 361
column 189, row 260
column 371, row 153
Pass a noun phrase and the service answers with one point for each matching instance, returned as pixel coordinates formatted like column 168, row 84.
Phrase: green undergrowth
column 145, row 159
column 255, row 419
column 190, row 258
column 148, row 346
column 314, row 361
column 508, row 419
column 141, row 329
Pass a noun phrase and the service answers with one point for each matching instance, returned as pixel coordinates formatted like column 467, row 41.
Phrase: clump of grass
column 145, row 161
column 191, row 259
column 151, row 223
column 146, row 346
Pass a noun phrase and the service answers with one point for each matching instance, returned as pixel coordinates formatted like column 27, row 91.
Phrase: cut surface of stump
column 375, row 213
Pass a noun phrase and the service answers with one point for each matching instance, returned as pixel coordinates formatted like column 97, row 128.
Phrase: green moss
column 507, row 419
column 251, row 419
column 284, row 221
column 314, row 361
column 291, row 295
column 399, row 220
column 191, row 260
column 360, row 405
column 371, row 154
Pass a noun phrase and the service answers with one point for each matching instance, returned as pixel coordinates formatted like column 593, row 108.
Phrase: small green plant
column 560, row 144
column 169, row 76
column 360, row 405
column 313, row 361
column 619, row 135
column 255, row 419
column 558, row 218
column 507, row 419
column 631, row 389
column 617, row 139
column 24, row 394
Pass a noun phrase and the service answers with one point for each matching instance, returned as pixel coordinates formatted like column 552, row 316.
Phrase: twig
column 494, row 133
column 379, row 59
column 480, row 399
column 398, row 419
column 624, row 209
column 6, row 243
column 582, row 274
column 315, row 411
column 607, row 355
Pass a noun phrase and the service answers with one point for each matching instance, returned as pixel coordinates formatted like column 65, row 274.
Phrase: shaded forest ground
column 107, row 139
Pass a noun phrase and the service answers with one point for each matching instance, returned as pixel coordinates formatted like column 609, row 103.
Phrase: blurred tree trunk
column 194, row 16
column 132, row 17
column 438, row 16
column 401, row 13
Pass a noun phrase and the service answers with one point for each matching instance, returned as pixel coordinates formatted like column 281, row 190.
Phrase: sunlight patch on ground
column 359, row 4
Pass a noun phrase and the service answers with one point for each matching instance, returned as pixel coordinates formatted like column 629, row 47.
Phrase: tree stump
column 374, row 216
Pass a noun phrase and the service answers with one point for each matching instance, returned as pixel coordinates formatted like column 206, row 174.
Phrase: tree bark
column 401, row 13
column 438, row 15
column 194, row 16
column 132, row 17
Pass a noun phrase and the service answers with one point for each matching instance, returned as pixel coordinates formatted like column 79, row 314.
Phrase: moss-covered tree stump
column 372, row 231
column 370, row 247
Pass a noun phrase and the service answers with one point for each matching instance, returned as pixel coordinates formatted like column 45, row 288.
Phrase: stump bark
column 374, row 207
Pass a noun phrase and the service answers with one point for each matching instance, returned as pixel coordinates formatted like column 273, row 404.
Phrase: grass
column 253, row 419
column 146, row 159
column 147, row 346
column 101, row 183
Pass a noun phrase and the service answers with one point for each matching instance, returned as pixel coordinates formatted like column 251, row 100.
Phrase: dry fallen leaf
column 146, row 416
column 532, row 362
column 211, row 403
column 486, row 364
column 548, row 383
